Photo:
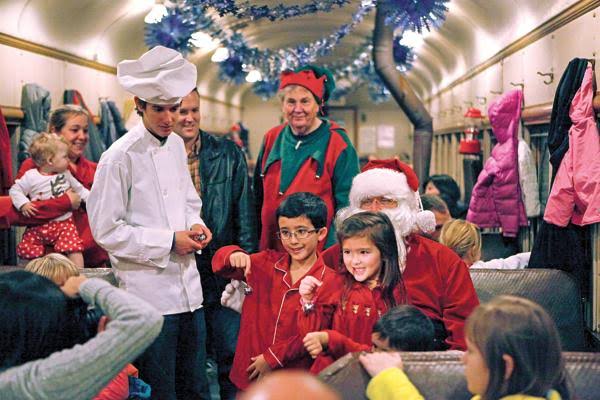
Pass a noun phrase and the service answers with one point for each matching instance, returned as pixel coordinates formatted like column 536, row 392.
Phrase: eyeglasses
column 301, row 233
column 384, row 201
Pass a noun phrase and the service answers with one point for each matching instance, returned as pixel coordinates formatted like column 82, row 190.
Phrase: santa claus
column 437, row 281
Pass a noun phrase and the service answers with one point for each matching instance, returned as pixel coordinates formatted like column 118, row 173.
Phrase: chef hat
column 159, row 76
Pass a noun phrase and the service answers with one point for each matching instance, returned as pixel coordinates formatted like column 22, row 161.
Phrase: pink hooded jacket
column 575, row 195
column 496, row 198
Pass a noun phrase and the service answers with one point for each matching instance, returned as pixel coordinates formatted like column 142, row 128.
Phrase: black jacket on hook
column 568, row 248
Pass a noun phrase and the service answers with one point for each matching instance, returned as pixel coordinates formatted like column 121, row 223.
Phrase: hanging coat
column 528, row 180
column 560, row 122
column 6, row 176
column 35, row 102
column 568, row 248
column 496, row 198
column 111, row 123
column 95, row 146
column 575, row 195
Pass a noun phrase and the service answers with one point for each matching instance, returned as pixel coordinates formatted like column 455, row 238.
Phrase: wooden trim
column 531, row 115
column 51, row 52
column 23, row 44
column 558, row 21
column 12, row 113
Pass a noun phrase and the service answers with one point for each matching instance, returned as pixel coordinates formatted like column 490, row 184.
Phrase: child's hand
column 239, row 259
column 259, row 367
column 375, row 363
column 75, row 199
column 29, row 210
column 71, row 286
column 315, row 342
column 308, row 287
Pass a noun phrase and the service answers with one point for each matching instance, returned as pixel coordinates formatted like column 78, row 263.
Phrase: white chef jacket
column 142, row 193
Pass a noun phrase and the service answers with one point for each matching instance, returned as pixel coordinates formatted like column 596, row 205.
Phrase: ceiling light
column 156, row 14
column 203, row 41
column 220, row 55
column 253, row 76
column 411, row 39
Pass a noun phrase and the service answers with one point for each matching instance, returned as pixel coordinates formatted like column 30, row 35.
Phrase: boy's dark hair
column 304, row 204
column 407, row 328
column 434, row 202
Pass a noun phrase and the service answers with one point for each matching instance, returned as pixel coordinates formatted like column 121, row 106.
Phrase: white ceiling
column 112, row 30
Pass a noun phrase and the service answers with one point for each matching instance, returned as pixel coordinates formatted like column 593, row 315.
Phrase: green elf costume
column 323, row 162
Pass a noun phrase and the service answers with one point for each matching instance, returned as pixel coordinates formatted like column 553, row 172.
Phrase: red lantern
column 473, row 123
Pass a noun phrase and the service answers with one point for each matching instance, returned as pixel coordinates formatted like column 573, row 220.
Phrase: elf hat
column 318, row 80
column 394, row 179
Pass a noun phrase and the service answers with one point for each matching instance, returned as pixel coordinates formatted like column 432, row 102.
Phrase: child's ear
column 509, row 366
column 322, row 234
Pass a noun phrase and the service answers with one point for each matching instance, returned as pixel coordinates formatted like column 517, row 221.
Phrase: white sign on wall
column 367, row 140
column 386, row 135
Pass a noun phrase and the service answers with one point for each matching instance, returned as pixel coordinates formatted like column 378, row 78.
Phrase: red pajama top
column 269, row 315
column 437, row 282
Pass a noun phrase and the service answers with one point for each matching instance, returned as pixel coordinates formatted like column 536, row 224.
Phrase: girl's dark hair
column 449, row 192
column 523, row 330
column 378, row 228
column 36, row 319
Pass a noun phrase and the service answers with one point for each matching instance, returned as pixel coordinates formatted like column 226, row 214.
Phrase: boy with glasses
column 268, row 336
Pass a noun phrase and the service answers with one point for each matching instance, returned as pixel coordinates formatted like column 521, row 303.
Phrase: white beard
column 404, row 220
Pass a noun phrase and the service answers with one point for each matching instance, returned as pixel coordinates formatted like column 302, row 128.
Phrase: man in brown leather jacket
column 220, row 176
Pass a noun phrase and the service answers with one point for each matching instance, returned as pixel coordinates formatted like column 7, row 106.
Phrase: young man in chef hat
column 145, row 212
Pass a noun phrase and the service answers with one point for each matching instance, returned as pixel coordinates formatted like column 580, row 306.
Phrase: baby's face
column 60, row 161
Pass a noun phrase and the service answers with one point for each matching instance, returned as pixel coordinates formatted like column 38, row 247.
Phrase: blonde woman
column 464, row 238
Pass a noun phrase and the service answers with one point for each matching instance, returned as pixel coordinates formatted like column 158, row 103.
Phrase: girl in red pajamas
column 370, row 285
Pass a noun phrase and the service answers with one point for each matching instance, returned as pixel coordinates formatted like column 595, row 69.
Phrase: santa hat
column 394, row 179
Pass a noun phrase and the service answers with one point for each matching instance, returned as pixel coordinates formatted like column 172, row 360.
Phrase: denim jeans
column 175, row 364
column 223, row 325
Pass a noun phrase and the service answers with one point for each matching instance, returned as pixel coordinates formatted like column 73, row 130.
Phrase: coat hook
column 481, row 99
column 520, row 84
column 468, row 103
column 550, row 76
column 495, row 92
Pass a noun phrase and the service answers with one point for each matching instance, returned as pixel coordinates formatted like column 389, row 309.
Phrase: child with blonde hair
column 464, row 238
column 513, row 352
column 53, row 266
column 51, row 178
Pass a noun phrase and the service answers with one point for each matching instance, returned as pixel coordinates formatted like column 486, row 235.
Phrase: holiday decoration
column 414, row 15
column 243, row 9
column 187, row 17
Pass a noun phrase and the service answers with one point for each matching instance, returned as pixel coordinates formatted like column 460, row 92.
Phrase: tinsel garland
column 176, row 29
column 243, row 9
column 173, row 31
column 265, row 89
column 232, row 71
column 414, row 15
column 403, row 55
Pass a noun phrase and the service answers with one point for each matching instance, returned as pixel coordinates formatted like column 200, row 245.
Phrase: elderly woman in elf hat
column 144, row 210
column 308, row 153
